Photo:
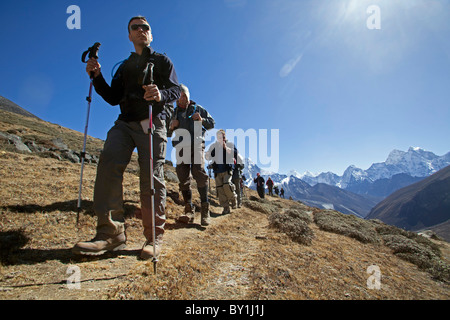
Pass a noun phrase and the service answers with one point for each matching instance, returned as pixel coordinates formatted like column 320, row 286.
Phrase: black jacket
column 126, row 91
column 259, row 181
column 221, row 160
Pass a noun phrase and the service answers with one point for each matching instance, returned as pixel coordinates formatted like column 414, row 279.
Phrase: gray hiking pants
column 225, row 189
column 184, row 171
column 122, row 139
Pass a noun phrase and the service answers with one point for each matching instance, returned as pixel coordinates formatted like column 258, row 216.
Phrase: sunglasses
column 144, row 27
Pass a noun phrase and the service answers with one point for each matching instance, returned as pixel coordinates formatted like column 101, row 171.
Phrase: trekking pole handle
column 93, row 53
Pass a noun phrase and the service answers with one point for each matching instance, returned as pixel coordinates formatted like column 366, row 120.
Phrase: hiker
column 259, row 181
column 276, row 190
column 269, row 184
column 130, row 131
column 237, row 178
column 243, row 195
column 282, row 193
column 223, row 155
column 187, row 115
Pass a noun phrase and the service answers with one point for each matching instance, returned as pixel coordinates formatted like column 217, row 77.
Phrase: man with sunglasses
column 130, row 131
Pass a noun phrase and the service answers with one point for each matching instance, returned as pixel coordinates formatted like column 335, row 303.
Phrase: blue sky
column 339, row 93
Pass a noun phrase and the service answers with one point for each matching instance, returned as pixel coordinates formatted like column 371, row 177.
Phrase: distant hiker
column 276, row 190
column 223, row 155
column 282, row 192
column 259, row 181
column 269, row 184
column 130, row 131
column 187, row 115
column 237, row 178
column 243, row 185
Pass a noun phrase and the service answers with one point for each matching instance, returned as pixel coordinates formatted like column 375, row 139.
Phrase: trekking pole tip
column 155, row 261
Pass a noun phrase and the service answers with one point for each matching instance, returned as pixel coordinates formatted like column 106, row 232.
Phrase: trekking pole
column 148, row 73
column 152, row 182
column 93, row 53
column 209, row 177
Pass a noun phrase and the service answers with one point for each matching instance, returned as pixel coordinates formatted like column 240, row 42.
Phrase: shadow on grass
column 13, row 253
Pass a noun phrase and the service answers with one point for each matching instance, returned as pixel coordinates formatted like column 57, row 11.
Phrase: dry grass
column 239, row 256
column 405, row 244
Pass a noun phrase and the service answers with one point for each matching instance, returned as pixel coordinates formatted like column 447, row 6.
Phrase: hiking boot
column 234, row 203
column 101, row 244
column 226, row 210
column 148, row 250
column 205, row 218
column 188, row 216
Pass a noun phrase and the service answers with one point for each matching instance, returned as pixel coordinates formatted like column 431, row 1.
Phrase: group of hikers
column 188, row 121
column 260, row 186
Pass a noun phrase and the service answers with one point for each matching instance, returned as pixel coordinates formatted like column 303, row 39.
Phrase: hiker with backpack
column 259, row 181
column 187, row 116
column 270, row 184
column 223, row 155
column 237, row 178
column 129, row 89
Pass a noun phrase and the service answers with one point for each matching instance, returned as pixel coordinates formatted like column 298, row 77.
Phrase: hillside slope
column 8, row 105
column 421, row 205
column 243, row 255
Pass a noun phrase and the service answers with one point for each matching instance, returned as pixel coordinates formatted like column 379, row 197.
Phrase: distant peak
column 395, row 156
column 416, row 149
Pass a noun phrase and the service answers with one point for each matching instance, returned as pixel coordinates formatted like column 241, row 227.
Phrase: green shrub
column 295, row 224
column 348, row 225
column 385, row 229
column 418, row 253
column 261, row 205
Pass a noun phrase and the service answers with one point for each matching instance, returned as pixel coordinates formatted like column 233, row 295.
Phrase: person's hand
column 225, row 147
column 174, row 124
column 152, row 93
column 196, row 117
column 93, row 67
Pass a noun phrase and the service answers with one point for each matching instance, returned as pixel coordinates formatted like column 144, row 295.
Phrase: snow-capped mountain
column 416, row 162
column 320, row 195
column 400, row 169
column 251, row 169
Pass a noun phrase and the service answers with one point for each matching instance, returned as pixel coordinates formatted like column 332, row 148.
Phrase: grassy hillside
column 271, row 249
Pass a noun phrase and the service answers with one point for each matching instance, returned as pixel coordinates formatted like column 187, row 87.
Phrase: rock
column 170, row 176
column 16, row 141
column 51, row 154
column 59, row 144
column 34, row 147
column 70, row 155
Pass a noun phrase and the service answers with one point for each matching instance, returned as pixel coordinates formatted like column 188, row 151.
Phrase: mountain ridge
column 421, row 205
column 8, row 105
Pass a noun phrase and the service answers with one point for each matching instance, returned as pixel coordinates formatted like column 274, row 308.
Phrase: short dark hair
column 140, row 18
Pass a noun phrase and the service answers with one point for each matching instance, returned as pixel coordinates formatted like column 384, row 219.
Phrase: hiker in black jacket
column 259, row 181
column 130, row 131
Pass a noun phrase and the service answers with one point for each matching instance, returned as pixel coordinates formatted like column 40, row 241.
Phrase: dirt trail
column 50, row 273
